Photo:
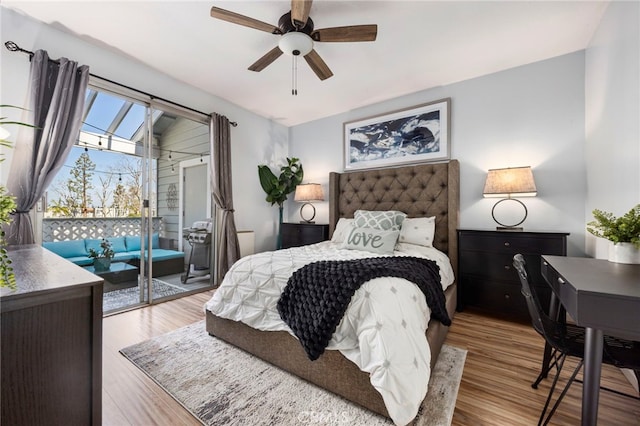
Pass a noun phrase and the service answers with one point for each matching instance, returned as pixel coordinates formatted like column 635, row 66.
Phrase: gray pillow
column 383, row 220
column 373, row 240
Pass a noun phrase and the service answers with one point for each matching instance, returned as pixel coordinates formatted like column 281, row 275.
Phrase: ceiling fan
column 298, row 35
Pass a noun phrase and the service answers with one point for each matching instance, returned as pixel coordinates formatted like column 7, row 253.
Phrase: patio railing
column 93, row 227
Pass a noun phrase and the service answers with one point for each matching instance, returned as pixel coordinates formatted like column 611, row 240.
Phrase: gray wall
column 613, row 116
column 530, row 115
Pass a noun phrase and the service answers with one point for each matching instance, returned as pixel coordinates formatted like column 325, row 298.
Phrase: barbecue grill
column 199, row 238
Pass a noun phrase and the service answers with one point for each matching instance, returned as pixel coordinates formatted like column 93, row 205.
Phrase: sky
column 104, row 109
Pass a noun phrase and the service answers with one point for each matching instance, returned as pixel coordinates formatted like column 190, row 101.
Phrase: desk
column 603, row 297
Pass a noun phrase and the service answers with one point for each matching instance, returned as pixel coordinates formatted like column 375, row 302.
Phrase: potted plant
column 102, row 259
column 623, row 232
column 277, row 188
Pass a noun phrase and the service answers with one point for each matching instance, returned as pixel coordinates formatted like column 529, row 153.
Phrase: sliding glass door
column 184, row 199
column 137, row 177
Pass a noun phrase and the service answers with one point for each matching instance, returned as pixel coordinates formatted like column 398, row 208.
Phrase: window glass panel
column 103, row 110
column 131, row 122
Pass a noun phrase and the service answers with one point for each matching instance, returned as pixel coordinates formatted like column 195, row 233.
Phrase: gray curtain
column 57, row 93
column 220, row 148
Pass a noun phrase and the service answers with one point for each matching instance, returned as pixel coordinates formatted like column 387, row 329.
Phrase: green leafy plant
column 278, row 187
column 107, row 252
column 7, row 207
column 623, row 229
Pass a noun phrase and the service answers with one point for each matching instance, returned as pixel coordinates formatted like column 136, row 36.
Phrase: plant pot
column 624, row 253
column 101, row 264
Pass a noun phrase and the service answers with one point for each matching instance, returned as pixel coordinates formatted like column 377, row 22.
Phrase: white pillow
column 382, row 220
column 343, row 227
column 373, row 240
column 419, row 231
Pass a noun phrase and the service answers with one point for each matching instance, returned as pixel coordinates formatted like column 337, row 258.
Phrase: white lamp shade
column 295, row 42
column 309, row 192
column 510, row 182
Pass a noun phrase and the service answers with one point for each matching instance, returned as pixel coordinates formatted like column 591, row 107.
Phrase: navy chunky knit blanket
column 317, row 295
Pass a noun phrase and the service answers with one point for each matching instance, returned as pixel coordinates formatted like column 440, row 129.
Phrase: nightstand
column 300, row 234
column 487, row 279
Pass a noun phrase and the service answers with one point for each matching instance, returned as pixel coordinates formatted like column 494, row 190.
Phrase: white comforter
column 382, row 332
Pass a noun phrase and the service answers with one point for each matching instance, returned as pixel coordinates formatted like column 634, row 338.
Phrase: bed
column 420, row 191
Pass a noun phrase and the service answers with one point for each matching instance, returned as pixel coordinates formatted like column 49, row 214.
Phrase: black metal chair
column 623, row 354
column 564, row 339
column 568, row 340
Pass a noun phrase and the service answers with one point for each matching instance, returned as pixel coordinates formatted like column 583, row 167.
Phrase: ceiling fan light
column 295, row 44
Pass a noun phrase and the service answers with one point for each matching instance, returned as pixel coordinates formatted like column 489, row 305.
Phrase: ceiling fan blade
column 266, row 60
column 236, row 18
column 346, row 34
column 300, row 12
column 318, row 65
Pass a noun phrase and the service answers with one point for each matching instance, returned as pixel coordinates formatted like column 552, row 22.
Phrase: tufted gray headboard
column 420, row 190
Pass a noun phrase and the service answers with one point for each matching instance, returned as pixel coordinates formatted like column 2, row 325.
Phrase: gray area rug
column 131, row 296
column 222, row 385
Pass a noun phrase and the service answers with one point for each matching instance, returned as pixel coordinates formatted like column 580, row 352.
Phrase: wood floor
column 502, row 360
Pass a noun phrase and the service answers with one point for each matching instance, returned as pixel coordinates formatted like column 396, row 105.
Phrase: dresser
column 487, row 279
column 300, row 234
column 51, row 342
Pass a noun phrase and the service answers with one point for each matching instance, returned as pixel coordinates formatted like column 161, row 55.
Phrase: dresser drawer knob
column 506, row 244
column 507, row 267
column 506, row 296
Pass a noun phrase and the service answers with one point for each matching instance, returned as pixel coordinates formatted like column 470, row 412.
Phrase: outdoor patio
column 121, row 281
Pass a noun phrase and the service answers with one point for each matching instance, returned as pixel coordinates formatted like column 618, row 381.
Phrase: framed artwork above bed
column 412, row 135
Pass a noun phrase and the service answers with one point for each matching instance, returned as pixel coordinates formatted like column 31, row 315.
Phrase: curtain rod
column 13, row 47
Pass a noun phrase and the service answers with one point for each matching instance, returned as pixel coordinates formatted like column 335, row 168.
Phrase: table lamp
column 507, row 184
column 306, row 193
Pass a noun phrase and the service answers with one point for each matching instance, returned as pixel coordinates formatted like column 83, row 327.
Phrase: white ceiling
column 420, row 45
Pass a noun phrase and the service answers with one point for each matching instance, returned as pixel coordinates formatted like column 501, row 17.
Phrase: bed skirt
column 332, row 371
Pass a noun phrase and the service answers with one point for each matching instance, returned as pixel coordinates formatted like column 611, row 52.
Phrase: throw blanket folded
column 318, row 294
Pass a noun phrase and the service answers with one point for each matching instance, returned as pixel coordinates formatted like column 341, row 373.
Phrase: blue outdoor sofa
column 127, row 249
